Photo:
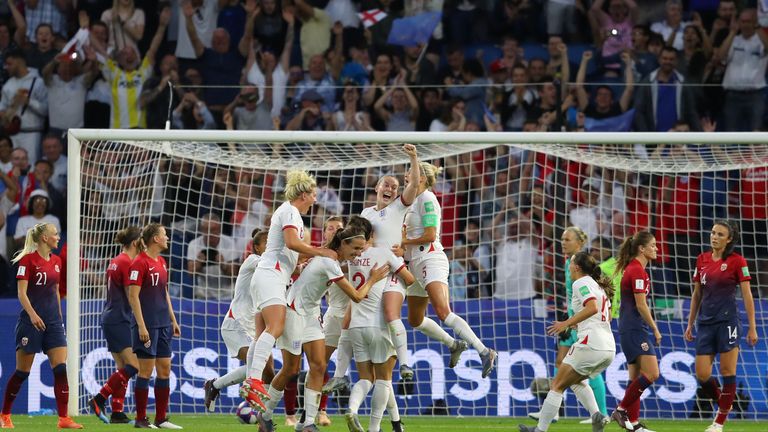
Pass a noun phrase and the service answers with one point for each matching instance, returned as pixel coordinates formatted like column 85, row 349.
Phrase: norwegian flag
column 371, row 17
column 74, row 48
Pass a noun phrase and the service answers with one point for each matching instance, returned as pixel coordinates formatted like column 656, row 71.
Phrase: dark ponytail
column 257, row 236
column 629, row 249
column 362, row 223
column 590, row 267
column 346, row 235
column 733, row 233
column 128, row 235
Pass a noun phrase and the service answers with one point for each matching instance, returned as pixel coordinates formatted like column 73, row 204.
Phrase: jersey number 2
column 359, row 276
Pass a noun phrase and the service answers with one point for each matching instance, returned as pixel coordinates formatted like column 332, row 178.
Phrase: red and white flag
column 371, row 17
column 74, row 48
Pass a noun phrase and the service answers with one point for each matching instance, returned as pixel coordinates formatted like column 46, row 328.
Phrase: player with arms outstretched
column 40, row 326
column 430, row 266
column 594, row 348
column 116, row 323
column 154, row 326
column 635, row 321
column 719, row 274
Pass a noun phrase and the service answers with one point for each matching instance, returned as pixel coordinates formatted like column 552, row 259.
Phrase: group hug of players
column 362, row 268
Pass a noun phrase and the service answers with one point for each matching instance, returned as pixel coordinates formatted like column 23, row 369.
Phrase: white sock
column 400, row 339
column 249, row 356
column 549, row 409
column 275, row 396
column 433, row 331
column 357, row 395
column 585, row 396
column 311, row 404
column 235, row 377
column 464, row 331
column 261, row 351
column 343, row 354
column 379, row 403
column 392, row 408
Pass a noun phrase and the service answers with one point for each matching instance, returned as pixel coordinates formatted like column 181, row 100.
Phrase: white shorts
column 235, row 337
column 298, row 330
column 395, row 284
column 269, row 288
column 431, row 268
column 332, row 328
column 371, row 344
column 588, row 362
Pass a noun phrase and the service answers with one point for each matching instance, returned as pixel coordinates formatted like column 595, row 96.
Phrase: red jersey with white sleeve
column 595, row 331
column 277, row 256
column 152, row 276
column 307, row 291
column 42, row 276
column 720, row 280
column 634, row 280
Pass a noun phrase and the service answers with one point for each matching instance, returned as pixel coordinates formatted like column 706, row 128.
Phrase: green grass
column 217, row 423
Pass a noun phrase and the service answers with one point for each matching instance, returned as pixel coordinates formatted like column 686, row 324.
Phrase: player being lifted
column 429, row 264
column 116, row 323
column 594, row 348
column 40, row 326
column 719, row 274
column 240, row 325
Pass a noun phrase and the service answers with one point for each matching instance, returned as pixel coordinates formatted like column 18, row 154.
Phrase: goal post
column 506, row 198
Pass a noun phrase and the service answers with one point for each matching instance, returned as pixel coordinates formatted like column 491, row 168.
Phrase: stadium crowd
column 514, row 65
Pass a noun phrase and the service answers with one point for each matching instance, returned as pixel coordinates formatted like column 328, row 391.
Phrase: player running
column 154, row 326
column 594, row 348
column 116, row 324
column 238, row 328
column 718, row 275
column 40, row 326
column 429, row 264
column 635, row 321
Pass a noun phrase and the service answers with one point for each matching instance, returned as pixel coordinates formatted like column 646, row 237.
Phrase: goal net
column 506, row 199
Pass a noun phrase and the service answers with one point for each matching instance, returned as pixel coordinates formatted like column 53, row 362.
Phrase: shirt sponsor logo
column 22, row 271
column 644, row 346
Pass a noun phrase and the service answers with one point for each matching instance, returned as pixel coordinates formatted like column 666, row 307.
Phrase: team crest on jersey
column 296, row 344
column 382, row 212
column 56, row 267
column 644, row 346
column 723, row 267
column 24, row 341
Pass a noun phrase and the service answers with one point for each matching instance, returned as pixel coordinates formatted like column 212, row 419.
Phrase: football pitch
column 216, row 423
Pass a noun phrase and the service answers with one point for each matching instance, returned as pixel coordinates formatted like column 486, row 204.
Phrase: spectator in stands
column 558, row 66
column 746, row 52
column 695, row 53
column 537, row 70
column 587, row 214
column 129, row 72
column 350, row 116
column 517, row 101
column 53, row 152
column 420, row 70
column 380, row 79
column 232, row 17
column 672, row 26
column 662, row 100
column 645, row 61
column 451, row 117
column 402, row 109
column 318, row 79
column 753, row 202
column 212, row 258
column 6, row 146
column 157, row 94
column 515, row 18
column 726, row 12
column 474, row 93
column 511, row 52
column 192, row 113
column 68, row 81
column 51, row 12
column 563, row 17
column 612, row 31
column 204, row 15
column 24, row 104
column 267, row 24
column 516, row 258
column 38, row 50
column 315, row 36
column 452, row 72
column 604, row 104
column 7, row 43
column 545, row 111
column 477, row 259
column 125, row 23
column 58, row 204
column 250, row 111
column 309, row 115
column 39, row 205
column 99, row 97
column 429, row 108
column 7, row 201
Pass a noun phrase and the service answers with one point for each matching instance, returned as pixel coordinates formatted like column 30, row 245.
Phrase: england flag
column 371, row 17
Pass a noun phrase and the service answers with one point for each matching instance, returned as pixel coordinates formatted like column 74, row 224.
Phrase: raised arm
column 285, row 56
column 581, row 75
column 412, row 190
column 337, row 63
column 49, row 69
column 197, row 44
column 252, row 10
column 629, row 82
column 412, row 102
column 20, row 35
column 165, row 18
column 379, row 105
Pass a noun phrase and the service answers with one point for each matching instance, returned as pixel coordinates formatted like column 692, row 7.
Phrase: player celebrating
column 635, row 320
column 718, row 274
column 155, row 324
column 303, row 326
column 238, row 327
column 430, row 265
column 40, row 326
column 594, row 348
column 285, row 241
column 116, row 323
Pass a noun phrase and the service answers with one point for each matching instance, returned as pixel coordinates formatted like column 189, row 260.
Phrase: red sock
column 118, row 397
column 633, row 392
column 141, row 394
column 12, row 389
column 115, row 381
column 725, row 401
column 61, row 389
column 324, row 398
column 633, row 412
column 711, row 388
column 290, row 395
column 162, row 394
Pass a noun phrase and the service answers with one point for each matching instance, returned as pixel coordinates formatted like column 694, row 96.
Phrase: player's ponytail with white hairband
column 590, row 267
column 30, row 243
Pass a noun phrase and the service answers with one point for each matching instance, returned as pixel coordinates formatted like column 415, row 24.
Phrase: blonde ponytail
column 430, row 173
column 30, row 243
column 298, row 182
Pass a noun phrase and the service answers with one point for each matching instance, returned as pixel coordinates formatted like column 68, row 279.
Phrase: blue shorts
column 717, row 337
column 158, row 345
column 33, row 341
column 118, row 336
column 636, row 343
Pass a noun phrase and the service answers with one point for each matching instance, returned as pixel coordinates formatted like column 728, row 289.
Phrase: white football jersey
column 425, row 212
column 595, row 331
column 369, row 312
column 242, row 300
column 387, row 222
column 306, row 292
column 277, row 256
column 338, row 301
